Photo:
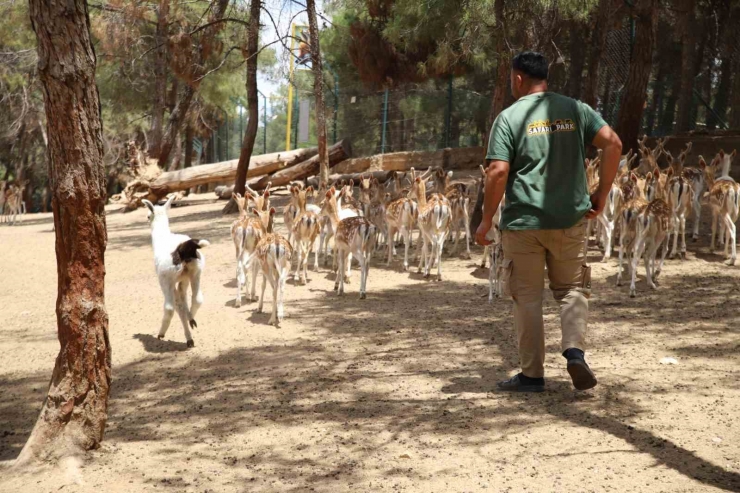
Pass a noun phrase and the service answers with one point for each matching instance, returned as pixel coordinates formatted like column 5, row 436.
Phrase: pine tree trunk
column 577, row 59
column 250, row 135
column 177, row 117
column 318, row 89
column 160, row 79
column 503, row 68
column 189, row 137
column 685, row 33
column 598, row 43
column 635, row 91
column 728, row 20
column 74, row 413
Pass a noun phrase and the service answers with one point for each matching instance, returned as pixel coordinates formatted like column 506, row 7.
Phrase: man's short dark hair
column 531, row 64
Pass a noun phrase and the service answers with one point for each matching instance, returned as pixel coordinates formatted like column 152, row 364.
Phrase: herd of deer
column 358, row 229
column 12, row 207
column 649, row 206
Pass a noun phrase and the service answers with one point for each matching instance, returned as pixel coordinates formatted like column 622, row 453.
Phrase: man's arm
column 608, row 141
column 497, row 175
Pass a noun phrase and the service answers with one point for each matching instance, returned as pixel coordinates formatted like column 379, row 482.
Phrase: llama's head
column 157, row 214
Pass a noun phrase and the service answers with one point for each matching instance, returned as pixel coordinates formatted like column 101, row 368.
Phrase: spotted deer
column 292, row 210
column 651, row 228
column 353, row 235
column 275, row 257
column 649, row 157
column 724, row 198
column 680, row 198
column 700, row 179
column 434, row 220
column 373, row 201
column 400, row 216
column 246, row 233
column 457, row 194
column 305, row 231
column 633, row 203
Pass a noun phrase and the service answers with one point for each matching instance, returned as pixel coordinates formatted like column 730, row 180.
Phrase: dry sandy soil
column 394, row 393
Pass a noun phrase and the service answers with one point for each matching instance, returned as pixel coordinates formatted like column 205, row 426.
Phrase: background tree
column 74, row 413
column 318, row 89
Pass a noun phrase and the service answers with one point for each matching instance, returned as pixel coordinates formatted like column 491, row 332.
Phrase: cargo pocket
column 506, row 278
column 585, row 288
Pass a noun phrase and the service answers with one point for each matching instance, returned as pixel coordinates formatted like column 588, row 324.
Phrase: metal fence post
column 385, row 122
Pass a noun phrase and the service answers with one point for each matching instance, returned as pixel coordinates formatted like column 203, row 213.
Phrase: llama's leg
column 196, row 297
column 169, row 309
column 181, row 305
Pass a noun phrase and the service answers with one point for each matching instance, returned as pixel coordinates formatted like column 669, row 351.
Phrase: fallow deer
column 457, row 194
column 434, row 221
column 633, row 204
column 305, row 230
column 246, row 232
column 275, row 256
column 680, row 197
column 724, row 197
column 354, row 235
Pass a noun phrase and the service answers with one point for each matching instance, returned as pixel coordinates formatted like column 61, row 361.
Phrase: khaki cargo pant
column 525, row 255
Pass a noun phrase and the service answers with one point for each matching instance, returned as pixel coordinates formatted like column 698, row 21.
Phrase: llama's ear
column 149, row 205
column 168, row 204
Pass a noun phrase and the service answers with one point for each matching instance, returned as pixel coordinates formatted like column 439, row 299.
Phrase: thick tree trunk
column 253, row 33
column 688, row 41
column 74, row 414
column 598, row 43
column 635, row 91
column 722, row 97
column 177, row 117
column 318, row 88
column 189, row 136
column 160, row 79
column 577, row 59
column 503, row 68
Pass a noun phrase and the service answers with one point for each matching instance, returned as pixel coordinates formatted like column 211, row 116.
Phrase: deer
column 649, row 159
column 699, row 179
column 680, row 198
column 633, row 202
column 246, row 233
column 400, row 216
column 724, row 197
column 353, row 235
column 275, row 257
column 434, row 220
column 13, row 204
column 374, row 204
column 291, row 211
column 457, row 194
column 179, row 265
column 651, row 227
column 305, row 230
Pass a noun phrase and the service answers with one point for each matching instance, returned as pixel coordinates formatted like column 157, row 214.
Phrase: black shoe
column 522, row 383
column 582, row 376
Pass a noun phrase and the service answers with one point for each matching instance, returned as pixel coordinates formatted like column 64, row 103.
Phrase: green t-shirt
column 543, row 137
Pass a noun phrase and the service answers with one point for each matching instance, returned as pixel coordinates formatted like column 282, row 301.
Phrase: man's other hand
column 482, row 231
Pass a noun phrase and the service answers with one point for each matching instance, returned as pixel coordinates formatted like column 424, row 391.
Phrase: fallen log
column 337, row 153
column 225, row 171
column 381, row 176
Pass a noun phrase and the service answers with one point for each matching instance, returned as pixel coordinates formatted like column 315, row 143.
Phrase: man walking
column 536, row 155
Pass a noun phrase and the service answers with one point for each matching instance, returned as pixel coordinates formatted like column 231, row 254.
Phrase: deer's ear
column 266, row 194
column 309, row 190
column 418, row 179
column 329, row 194
column 253, row 210
column 721, row 153
column 669, row 173
column 702, row 163
column 633, row 177
column 351, row 183
column 149, row 205
column 649, row 176
column 272, row 211
column 734, row 153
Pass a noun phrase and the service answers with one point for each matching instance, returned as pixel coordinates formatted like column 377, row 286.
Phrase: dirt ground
column 393, row 393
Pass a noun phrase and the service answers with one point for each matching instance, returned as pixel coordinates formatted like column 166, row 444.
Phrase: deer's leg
column 262, row 294
column 715, row 219
column 731, row 240
column 342, row 261
column 241, row 280
column 697, row 216
column 682, row 229
column 406, row 240
column 391, row 232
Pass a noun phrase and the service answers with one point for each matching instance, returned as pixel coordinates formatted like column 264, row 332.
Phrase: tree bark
column 250, row 135
column 74, row 413
column 160, row 79
column 177, row 117
column 635, row 91
column 688, row 41
column 318, row 88
column 598, row 43
column 189, row 137
column 503, row 68
column 577, row 59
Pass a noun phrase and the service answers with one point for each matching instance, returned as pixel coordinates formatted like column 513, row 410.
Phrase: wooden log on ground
column 450, row 158
column 226, row 171
column 337, row 153
column 382, row 177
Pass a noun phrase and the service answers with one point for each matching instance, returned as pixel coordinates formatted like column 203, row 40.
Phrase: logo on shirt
column 544, row 127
